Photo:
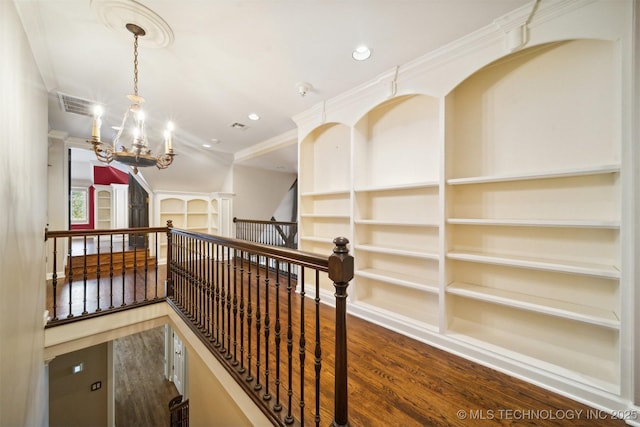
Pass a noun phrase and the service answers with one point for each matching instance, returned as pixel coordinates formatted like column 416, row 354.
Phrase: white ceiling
column 227, row 59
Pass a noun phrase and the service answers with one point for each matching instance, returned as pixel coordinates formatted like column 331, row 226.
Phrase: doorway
column 138, row 212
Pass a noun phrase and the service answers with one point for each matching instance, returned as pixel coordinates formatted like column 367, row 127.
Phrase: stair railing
column 96, row 272
column 269, row 328
column 275, row 233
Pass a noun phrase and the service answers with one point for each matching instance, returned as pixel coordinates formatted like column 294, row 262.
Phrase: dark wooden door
column 138, row 211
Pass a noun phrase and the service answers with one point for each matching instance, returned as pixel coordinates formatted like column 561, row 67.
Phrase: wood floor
column 398, row 381
column 142, row 393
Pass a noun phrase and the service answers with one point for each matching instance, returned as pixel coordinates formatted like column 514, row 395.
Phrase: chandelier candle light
column 139, row 154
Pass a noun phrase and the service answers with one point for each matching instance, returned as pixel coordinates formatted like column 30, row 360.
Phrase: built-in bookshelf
column 396, row 209
column 325, row 187
column 192, row 212
column 534, row 211
column 103, row 207
column 487, row 201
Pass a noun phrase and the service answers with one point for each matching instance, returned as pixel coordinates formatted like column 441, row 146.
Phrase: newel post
column 169, row 280
column 341, row 272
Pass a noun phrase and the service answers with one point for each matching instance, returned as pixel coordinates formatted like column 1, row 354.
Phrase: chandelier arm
column 119, row 134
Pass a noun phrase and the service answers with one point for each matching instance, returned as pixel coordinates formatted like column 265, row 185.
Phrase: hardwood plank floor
column 142, row 393
column 397, row 381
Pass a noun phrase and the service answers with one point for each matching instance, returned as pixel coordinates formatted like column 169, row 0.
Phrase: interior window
column 79, row 206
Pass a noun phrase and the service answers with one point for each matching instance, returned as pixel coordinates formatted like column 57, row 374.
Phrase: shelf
column 393, row 317
column 395, row 223
column 567, row 310
column 325, row 193
column 589, row 269
column 536, row 222
column 410, row 186
column 399, row 279
column 326, row 216
column 401, row 252
column 560, row 360
column 594, row 170
column 316, row 239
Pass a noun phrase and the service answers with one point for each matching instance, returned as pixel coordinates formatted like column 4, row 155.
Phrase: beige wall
column 71, row 401
column 209, row 403
column 258, row 192
column 23, row 196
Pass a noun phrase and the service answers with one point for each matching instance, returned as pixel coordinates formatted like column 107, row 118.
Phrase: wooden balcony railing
column 95, row 272
column 275, row 233
column 261, row 310
column 260, row 323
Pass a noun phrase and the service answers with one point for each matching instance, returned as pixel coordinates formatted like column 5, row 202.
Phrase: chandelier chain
column 135, row 65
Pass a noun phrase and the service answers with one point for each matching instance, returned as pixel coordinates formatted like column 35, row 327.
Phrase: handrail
column 307, row 259
column 272, row 232
column 247, row 302
column 257, row 319
column 79, row 233
column 259, row 221
column 95, row 272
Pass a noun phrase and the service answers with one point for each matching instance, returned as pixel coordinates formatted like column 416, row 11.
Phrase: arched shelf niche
column 325, row 187
column 396, row 213
column 533, row 205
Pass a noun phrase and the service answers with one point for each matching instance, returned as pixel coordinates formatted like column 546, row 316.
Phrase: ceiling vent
column 71, row 104
column 239, row 126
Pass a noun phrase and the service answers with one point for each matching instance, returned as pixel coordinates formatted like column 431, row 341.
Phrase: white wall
column 23, row 196
column 258, row 192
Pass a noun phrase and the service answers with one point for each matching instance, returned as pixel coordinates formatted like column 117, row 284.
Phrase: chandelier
column 138, row 154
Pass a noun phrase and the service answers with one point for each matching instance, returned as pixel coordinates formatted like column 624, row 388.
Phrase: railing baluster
column 235, row 308
column 228, row 282
column 218, row 278
column 145, row 248
column 242, row 368
column 258, row 385
column 124, row 302
column 98, row 274
column 70, row 263
column 302, row 349
column 54, row 279
column 289, row 418
column 135, row 266
column 318, row 349
column 199, row 285
column 267, row 326
column 84, row 277
column 249, row 319
column 277, row 407
column 209, row 291
column 111, row 271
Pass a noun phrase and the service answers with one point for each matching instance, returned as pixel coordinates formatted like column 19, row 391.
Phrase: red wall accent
column 102, row 175
column 105, row 175
column 90, row 224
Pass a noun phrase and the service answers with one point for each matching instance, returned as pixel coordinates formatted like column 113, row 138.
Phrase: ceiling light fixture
column 253, row 116
column 139, row 154
column 361, row 53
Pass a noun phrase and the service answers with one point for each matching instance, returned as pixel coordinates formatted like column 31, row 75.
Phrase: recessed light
column 206, row 145
column 253, row 116
column 361, row 53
